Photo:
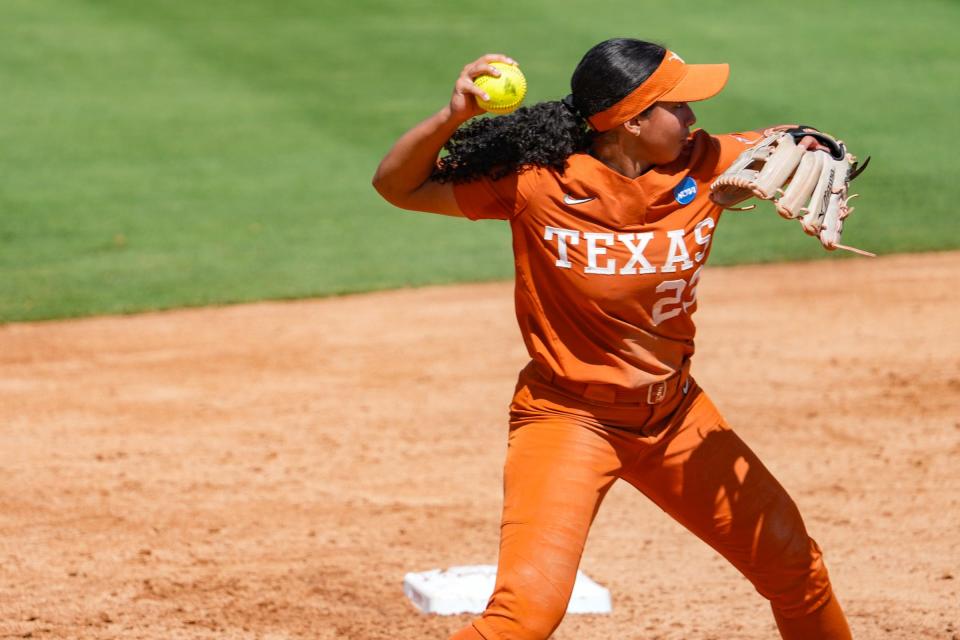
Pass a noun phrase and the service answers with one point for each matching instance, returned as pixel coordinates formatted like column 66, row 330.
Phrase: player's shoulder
column 700, row 153
column 710, row 154
column 583, row 172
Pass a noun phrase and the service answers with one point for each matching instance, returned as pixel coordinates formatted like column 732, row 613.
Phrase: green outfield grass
column 164, row 153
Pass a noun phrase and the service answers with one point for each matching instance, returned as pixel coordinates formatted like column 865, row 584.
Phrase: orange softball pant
column 563, row 456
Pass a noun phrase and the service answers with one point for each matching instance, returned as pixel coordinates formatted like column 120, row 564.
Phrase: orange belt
column 612, row 394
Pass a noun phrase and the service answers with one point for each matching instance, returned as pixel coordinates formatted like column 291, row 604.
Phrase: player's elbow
column 389, row 190
column 430, row 196
column 381, row 186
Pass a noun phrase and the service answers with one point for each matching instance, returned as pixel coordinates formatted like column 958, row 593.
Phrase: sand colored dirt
column 272, row 470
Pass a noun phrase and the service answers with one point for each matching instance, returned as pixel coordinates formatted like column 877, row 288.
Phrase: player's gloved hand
column 806, row 173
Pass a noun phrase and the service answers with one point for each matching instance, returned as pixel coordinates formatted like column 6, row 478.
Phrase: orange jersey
column 607, row 267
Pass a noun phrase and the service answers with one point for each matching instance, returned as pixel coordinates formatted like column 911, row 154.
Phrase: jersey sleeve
column 501, row 199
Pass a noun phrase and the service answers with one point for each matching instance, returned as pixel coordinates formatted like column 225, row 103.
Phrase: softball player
column 606, row 193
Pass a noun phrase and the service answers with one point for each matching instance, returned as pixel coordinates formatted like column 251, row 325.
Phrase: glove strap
column 837, row 149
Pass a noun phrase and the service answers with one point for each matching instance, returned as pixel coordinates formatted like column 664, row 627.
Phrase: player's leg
column 826, row 622
column 703, row 475
column 557, row 470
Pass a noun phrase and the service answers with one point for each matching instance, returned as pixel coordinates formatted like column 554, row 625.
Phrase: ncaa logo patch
column 686, row 191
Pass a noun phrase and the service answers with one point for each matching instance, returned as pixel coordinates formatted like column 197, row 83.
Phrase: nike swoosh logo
column 567, row 199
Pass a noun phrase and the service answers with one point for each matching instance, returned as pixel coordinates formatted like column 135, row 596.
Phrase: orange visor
column 673, row 81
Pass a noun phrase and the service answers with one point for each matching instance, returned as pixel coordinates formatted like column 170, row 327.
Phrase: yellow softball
column 506, row 92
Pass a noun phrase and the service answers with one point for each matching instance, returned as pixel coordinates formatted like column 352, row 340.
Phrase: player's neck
column 611, row 151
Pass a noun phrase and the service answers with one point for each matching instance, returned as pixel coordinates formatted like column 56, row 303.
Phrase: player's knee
column 789, row 565
column 781, row 538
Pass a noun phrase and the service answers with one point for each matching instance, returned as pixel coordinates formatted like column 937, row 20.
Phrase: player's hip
column 647, row 412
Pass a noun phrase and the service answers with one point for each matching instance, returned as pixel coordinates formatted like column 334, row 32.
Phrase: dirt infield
column 272, row 470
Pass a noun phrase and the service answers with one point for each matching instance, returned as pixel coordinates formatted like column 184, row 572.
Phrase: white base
column 466, row 590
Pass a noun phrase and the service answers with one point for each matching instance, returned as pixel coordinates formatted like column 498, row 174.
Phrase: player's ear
column 635, row 125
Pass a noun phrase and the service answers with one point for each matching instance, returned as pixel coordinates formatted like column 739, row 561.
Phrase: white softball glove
column 807, row 185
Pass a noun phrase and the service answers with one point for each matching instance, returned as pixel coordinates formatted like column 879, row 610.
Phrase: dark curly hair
column 547, row 133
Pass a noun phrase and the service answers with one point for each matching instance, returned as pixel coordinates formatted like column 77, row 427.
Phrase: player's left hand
column 806, row 173
column 812, row 144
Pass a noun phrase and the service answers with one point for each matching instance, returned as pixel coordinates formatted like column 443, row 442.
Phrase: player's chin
column 673, row 153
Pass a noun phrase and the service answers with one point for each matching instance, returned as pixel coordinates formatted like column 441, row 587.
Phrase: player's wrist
column 451, row 118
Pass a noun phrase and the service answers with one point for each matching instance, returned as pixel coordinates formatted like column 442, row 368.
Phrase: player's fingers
column 812, row 144
column 482, row 67
column 478, row 68
column 465, row 86
column 474, row 71
column 497, row 57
